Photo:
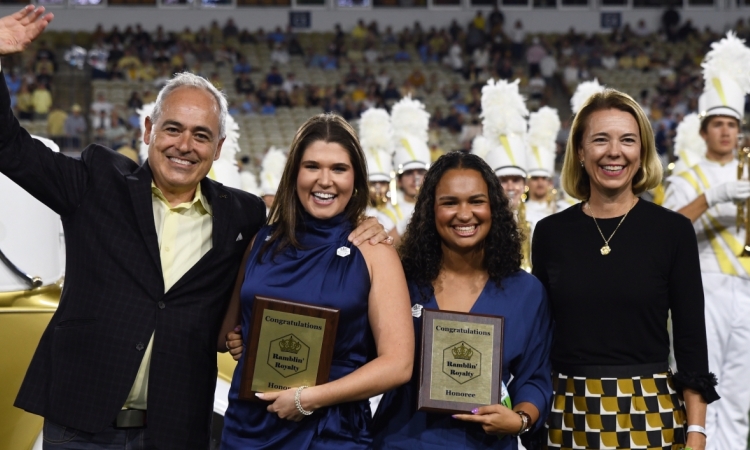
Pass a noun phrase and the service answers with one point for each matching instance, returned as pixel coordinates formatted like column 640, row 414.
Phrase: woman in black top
column 614, row 267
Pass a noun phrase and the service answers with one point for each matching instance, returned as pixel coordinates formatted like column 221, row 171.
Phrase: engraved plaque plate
column 290, row 345
column 461, row 361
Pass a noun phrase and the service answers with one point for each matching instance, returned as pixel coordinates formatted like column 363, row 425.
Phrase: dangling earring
column 355, row 192
column 581, row 163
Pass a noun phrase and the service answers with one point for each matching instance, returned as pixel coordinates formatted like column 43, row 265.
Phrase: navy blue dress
column 318, row 275
column 528, row 338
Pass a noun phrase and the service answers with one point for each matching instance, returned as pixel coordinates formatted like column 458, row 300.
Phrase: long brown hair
column 286, row 211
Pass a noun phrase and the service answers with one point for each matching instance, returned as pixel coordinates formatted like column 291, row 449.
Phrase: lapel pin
column 223, row 196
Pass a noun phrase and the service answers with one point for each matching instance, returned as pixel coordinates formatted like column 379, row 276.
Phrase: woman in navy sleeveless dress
column 461, row 252
column 304, row 256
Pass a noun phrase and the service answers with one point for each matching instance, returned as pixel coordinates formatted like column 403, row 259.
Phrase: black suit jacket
column 114, row 299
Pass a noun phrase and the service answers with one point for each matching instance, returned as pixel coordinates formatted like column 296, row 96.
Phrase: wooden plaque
column 462, row 361
column 290, row 345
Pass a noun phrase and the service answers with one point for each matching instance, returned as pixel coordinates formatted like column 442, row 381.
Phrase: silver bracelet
column 696, row 429
column 298, row 404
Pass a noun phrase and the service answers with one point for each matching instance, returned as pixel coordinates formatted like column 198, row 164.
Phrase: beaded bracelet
column 298, row 404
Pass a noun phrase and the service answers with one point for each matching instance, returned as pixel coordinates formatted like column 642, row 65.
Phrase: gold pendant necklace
column 606, row 249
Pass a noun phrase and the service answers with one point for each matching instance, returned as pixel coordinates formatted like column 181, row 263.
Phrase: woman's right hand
column 234, row 343
column 494, row 419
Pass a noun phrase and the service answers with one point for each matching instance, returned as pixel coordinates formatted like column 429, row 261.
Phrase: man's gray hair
column 187, row 79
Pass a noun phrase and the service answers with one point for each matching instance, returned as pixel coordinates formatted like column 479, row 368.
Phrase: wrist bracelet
column 696, row 429
column 298, row 404
column 525, row 422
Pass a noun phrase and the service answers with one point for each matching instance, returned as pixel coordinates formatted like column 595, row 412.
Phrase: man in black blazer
column 114, row 307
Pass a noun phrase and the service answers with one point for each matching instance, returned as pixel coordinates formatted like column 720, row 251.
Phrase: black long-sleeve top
column 612, row 310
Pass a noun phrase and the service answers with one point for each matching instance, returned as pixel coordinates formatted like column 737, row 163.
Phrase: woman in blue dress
column 461, row 252
column 304, row 256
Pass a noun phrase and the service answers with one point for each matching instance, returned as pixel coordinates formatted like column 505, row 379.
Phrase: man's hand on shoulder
column 18, row 30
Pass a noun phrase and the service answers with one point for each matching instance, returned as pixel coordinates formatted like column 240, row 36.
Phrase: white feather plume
column 503, row 109
column 583, row 92
column 47, row 142
column 375, row 131
column 144, row 112
column 688, row 142
column 410, row 119
column 271, row 170
column 480, row 146
column 543, row 128
column 729, row 57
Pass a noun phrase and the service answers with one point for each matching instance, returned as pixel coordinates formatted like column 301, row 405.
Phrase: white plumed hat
column 480, row 146
column 504, row 126
column 249, row 183
column 688, row 143
column 271, row 170
column 376, row 138
column 410, row 124
column 543, row 128
column 583, row 92
column 726, row 72
column 144, row 112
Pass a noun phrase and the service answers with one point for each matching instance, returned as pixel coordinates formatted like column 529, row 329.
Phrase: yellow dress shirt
column 184, row 233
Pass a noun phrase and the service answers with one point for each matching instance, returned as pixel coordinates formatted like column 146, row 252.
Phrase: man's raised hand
column 18, row 30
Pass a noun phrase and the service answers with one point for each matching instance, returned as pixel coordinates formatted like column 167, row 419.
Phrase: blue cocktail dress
column 322, row 273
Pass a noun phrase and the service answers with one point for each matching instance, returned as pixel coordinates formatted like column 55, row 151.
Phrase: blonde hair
column 574, row 179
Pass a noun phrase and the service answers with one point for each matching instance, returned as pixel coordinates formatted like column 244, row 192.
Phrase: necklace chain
column 606, row 249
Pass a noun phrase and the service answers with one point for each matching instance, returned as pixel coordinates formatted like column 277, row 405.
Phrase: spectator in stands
column 243, row 85
column 101, row 104
column 454, row 58
column 534, row 54
column 517, row 38
column 268, row 108
column 391, row 92
column 128, row 65
column 360, row 31
column 13, row 81
column 352, row 78
column 277, row 36
column 242, row 66
column 135, row 102
column 75, row 128
column 282, row 99
column 416, row 78
column 230, row 29
column 453, row 121
column 24, row 103
column 291, row 83
column 478, row 21
column 371, row 54
column 481, row 57
column 250, row 105
column 496, row 18
column 56, row 125
column 44, row 76
column 44, row 65
column 279, row 54
column 548, row 68
column 215, row 79
column 41, row 100
column 609, row 60
column 45, row 53
column 274, row 78
column 401, row 55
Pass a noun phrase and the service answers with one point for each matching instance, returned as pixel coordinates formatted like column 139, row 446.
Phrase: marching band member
column 376, row 138
column 543, row 128
column 706, row 194
column 411, row 159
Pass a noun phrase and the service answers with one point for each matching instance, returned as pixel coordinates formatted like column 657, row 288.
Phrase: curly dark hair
column 421, row 247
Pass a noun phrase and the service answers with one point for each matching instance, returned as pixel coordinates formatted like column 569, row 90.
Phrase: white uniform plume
column 504, row 115
column 543, row 128
column 410, row 124
column 271, row 170
column 376, row 138
column 688, row 143
column 726, row 72
column 583, row 92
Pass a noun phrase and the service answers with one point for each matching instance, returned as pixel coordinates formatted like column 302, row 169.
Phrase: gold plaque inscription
column 288, row 351
column 462, row 362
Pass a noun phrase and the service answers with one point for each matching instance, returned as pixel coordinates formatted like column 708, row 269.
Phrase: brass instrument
column 743, row 208
column 524, row 226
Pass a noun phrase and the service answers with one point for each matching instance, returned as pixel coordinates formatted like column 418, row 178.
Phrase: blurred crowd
column 549, row 67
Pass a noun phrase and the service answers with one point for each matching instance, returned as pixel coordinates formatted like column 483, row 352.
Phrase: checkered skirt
column 641, row 412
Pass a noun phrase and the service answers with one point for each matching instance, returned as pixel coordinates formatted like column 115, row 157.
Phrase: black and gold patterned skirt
column 606, row 407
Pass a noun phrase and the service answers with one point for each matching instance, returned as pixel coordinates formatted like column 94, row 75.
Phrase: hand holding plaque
column 290, row 345
column 461, row 361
